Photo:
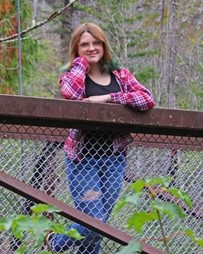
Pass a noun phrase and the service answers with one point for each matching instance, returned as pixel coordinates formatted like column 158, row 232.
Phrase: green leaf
column 181, row 195
column 119, row 206
column 75, row 234
column 133, row 199
column 131, row 248
column 137, row 220
column 172, row 210
column 191, row 234
column 199, row 241
column 160, row 180
column 21, row 249
column 138, row 185
column 57, row 228
column 37, row 226
column 40, row 208
column 6, row 223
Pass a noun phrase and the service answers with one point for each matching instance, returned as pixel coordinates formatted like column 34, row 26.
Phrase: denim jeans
column 94, row 183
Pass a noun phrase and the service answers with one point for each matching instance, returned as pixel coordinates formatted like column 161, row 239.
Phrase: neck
column 94, row 70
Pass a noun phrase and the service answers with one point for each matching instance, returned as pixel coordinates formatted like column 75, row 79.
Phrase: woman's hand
column 99, row 98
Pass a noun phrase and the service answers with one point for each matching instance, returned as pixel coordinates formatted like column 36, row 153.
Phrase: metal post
column 19, row 50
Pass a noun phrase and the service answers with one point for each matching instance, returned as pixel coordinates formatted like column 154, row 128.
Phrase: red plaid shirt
column 132, row 94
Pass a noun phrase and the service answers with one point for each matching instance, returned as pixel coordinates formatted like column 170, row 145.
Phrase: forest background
column 160, row 41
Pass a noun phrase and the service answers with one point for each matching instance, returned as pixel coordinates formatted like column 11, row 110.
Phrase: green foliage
column 118, row 17
column 157, row 209
column 37, row 57
column 9, row 50
column 43, row 75
column 138, row 220
column 139, row 33
column 147, row 74
column 194, row 97
column 38, row 225
column 131, row 248
column 145, row 53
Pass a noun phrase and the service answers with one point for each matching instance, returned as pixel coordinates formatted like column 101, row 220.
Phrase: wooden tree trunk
column 160, row 83
column 171, row 54
column 66, row 31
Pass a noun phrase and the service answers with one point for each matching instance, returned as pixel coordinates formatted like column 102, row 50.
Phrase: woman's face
column 90, row 48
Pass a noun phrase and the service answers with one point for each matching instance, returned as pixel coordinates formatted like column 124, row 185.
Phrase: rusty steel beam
column 71, row 213
column 99, row 116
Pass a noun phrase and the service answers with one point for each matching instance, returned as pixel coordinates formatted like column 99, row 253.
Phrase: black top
column 92, row 88
column 99, row 142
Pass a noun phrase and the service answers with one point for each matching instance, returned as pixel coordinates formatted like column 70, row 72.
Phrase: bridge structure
column 166, row 142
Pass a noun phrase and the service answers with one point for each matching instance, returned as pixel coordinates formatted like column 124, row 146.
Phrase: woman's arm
column 72, row 82
column 133, row 94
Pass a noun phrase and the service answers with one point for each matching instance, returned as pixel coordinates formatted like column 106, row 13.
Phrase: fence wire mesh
column 36, row 156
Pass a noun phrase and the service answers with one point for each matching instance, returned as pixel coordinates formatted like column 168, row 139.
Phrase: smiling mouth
column 92, row 55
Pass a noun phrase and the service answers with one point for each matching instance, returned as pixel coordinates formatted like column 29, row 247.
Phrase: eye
column 97, row 43
column 84, row 45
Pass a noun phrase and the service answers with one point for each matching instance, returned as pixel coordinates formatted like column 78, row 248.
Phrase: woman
column 95, row 159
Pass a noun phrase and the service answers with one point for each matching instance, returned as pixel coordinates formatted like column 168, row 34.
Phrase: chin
column 93, row 59
column 93, row 62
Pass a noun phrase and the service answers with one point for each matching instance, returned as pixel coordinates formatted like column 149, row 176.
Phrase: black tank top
column 98, row 143
column 92, row 88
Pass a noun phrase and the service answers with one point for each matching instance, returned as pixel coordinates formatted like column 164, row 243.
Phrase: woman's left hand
column 99, row 98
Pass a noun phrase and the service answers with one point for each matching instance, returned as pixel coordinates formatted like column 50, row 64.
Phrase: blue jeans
column 94, row 183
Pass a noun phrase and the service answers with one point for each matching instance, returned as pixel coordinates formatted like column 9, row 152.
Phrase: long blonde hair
column 97, row 33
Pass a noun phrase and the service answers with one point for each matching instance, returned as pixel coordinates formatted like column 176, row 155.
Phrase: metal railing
column 165, row 142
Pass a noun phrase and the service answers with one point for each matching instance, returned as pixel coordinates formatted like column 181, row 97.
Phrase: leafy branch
column 153, row 187
column 39, row 24
column 37, row 225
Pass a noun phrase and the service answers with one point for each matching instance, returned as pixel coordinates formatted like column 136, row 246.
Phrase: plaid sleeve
column 72, row 82
column 132, row 94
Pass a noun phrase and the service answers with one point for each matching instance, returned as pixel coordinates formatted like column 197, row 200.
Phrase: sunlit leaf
column 138, row 185
column 199, row 241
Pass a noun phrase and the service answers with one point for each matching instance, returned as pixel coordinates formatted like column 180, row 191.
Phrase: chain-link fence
column 35, row 155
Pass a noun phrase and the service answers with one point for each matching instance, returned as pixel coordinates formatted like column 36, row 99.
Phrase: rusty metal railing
column 165, row 142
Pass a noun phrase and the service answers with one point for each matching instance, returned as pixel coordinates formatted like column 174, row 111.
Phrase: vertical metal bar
column 19, row 50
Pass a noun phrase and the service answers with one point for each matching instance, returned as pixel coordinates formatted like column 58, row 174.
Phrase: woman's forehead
column 86, row 36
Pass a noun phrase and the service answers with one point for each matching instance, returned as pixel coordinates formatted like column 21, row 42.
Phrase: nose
column 91, row 46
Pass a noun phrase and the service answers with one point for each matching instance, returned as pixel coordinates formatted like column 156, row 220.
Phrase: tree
column 159, row 41
column 9, row 50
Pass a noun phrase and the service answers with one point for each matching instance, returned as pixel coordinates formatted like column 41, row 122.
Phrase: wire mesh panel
column 36, row 156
